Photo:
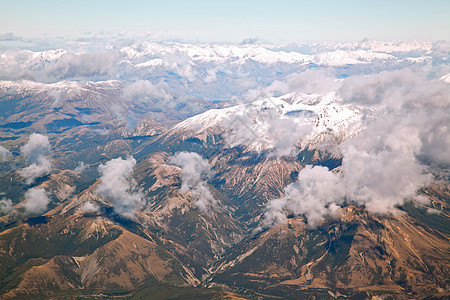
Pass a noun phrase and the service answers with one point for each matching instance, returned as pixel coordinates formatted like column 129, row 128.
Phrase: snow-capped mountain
column 297, row 170
column 215, row 72
column 287, row 121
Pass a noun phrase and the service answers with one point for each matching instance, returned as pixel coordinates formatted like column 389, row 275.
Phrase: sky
column 232, row 20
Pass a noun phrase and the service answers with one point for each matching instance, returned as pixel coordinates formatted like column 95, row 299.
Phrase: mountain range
column 169, row 170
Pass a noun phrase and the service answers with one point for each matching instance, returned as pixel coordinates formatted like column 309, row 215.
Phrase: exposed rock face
column 356, row 254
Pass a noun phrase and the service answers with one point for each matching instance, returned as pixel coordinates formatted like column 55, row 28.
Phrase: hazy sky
column 233, row 20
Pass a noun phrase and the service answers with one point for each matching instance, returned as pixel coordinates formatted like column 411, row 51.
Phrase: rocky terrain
column 337, row 193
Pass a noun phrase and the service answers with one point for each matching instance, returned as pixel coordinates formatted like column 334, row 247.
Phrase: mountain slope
column 356, row 255
column 237, row 160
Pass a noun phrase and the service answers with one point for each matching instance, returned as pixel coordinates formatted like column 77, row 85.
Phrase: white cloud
column 36, row 201
column 6, row 206
column 313, row 82
column 35, row 151
column 436, row 141
column 36, row 147
column 317, row 193
column 89, row 207
column 81, row 167
column 181, row 64
column 41, row 168
column 85, row 65
column 441, row 49
column 433, row 211
column 211, row 75
column 307, row 82
column 195, row 171
column 406, row 136
column 4, row 154
column 263, row 126
column 117, row 186
column 382, row 172
column 287, row 133
column 145, row 91
column 177, row 72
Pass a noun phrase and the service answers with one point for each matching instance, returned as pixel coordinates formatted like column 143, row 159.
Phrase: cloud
column 36, row 201
column 91, row 65
column 388, row 88
column 406, row 135
column 145, row 91
column 81, row 167
column 407, row 101
column 433, row 211
column 307, row 82
column 6, row 206
column 54, row 65
column 195, row 171
column 4, row 154
column 276, row 88
column 13, row 65
column 36, row 147
column 380, row 167
column 436, row 143
column 441, row 49
column 186, row 71
column 313, row 81
column 38, row 169
column 405, row 141
column 181, row 64
column 89, row 207
column 317, row 193
column 250, row 41
column 35, row 151
column 240, row 128
column 263, row 126
column 117, row 186
column 10, row 36
column 287, row 133
column 211, row 75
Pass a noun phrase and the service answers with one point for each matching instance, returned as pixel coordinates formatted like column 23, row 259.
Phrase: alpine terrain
column 167, row 170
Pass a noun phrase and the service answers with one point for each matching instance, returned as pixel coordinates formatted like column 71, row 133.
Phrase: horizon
column 231, row 22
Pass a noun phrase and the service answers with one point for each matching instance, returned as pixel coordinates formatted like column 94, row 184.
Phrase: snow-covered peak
column 65, row 85
column 285, row 121
column 373, row 45
column 332, row 54
column 213, row 53
column 341, row 57
column 48, row 55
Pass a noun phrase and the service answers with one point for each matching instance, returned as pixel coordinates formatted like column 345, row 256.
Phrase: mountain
column 357, row 255
column 330, row 187
column 179, row 72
